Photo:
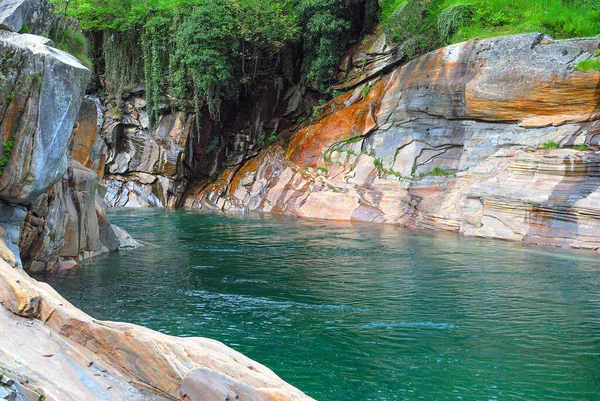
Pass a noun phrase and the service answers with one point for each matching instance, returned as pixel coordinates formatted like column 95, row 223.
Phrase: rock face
column 32, row 74
column 153, row 166
column 448, row 141
column 35, row 139
column 145, row 167
column 35, row 14
column 50, row 343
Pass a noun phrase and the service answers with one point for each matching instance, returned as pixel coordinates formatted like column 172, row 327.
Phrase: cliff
column 475, row 138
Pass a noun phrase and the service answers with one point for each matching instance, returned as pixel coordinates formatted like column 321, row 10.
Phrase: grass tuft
column 550, row 145
column 592, row 65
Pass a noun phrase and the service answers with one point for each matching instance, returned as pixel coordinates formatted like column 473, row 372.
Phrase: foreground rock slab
column 67, row 355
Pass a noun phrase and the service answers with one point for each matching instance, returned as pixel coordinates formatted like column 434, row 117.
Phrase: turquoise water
column 352, row 312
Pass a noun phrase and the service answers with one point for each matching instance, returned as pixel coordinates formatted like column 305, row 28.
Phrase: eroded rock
column 448, row 141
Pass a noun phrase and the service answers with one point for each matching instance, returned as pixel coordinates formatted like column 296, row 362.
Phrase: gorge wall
column 452, row 140
column 485, row 138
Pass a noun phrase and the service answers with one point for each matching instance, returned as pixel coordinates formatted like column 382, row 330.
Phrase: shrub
column 406, row 20
column 72, row 42
column 6, row 152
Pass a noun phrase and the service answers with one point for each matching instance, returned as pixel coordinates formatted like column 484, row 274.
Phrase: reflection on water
column 360, row 312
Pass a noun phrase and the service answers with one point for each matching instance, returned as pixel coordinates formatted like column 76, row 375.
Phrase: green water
column 352, row 312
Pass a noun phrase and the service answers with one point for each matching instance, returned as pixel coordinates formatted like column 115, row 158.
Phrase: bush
column 72, row 42
column 406, row 21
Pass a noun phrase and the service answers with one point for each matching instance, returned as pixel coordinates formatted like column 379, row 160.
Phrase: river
column 357, row 312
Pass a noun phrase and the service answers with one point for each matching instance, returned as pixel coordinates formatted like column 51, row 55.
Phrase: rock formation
column 145, row 168
column 449, row 141
column 50, row 187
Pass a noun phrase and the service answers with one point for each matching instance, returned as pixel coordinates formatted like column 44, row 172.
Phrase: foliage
column 365, row 91
column 326, row 25
column 423, row 25
column 406, row 21
column 550, row 145
column 452, row 19
column 123, row 60
column 24, row 29
column 590, row 65
column 6, row 152
column 437, row 172
column 72, row 42
column 10, row 98
column 214, row 50
column 581, row 147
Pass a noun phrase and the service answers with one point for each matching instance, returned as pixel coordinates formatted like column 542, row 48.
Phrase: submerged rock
column 439, row 143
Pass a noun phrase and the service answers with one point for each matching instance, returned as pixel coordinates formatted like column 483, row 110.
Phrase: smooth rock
column 36, row 75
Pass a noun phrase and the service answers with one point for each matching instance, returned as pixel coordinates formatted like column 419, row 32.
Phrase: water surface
column 352, row 312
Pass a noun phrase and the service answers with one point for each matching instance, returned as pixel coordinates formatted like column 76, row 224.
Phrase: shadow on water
column 358, row 311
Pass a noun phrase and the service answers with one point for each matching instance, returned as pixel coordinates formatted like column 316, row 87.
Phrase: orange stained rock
column 574, row 97
column 251, row 166
column 309, row 144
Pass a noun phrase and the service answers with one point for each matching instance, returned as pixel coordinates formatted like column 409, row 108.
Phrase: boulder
column 35, row 138
column 67, row 224
column 14, row 14
column 36, row 15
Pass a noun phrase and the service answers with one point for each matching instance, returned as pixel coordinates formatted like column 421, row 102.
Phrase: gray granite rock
column 45, row 86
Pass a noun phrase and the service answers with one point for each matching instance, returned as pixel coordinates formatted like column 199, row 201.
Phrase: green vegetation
column 354, row 139
column 201, row 53
column 365, row 91
column 212, row 51
column 24, row 29
column 10, row 98
column 260, row 141
column 322, row 169
column 581, row 147
column 437, row 172
column 379, row 165
column 6, row 152
column 427, row 24
column 550, row 145
column 213, row 145
column 590, row 65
